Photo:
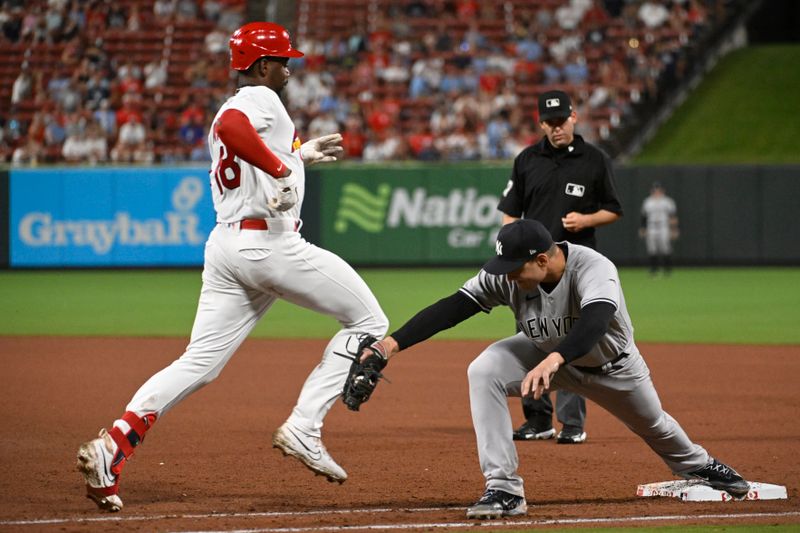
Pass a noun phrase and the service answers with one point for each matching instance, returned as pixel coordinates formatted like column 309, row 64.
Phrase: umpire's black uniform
column 547, row 183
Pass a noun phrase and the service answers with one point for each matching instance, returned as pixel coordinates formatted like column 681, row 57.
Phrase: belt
column 605, row 368
column 278, row 225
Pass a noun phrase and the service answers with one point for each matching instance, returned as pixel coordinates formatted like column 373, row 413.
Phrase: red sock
column 128, row 435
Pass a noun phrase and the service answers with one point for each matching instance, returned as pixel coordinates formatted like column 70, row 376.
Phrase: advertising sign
column 109, row 217
column 414, row 216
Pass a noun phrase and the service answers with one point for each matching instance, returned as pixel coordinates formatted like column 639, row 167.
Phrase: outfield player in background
column 659, row 228
column 575, row 335
column 568, row 185
column 253, row 256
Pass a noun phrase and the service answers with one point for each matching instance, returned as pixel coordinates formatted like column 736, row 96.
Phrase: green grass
column 742, row 112
column 741, row 305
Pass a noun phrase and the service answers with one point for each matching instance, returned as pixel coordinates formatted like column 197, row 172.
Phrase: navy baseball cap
column 554, row 104
column 517, row 243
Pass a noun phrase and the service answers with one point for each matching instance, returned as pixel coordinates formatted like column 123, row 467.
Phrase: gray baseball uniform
column 658, row 211
column 612, row 374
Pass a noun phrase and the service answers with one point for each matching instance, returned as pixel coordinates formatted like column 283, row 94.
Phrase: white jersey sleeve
column 239, row 189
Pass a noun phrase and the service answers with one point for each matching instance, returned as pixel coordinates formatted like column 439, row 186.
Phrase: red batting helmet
column 259, row 39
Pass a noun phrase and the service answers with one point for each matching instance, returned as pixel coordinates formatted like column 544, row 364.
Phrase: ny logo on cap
column 498, row 247
column 552, row 102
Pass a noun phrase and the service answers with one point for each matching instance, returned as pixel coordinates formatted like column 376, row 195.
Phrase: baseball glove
column 364, row 376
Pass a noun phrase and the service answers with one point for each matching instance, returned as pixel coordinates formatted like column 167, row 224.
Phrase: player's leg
column 321, row 281
column 538, row 423
column 571, row 413
column 651, row 244
column 665, row 250
column 226, row 313
column 325, row 283
column 628, row 394
column 493, row 376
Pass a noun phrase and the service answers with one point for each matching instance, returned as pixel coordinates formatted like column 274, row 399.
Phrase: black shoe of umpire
column 571, row 435
column 528, row 431
column 722, row 477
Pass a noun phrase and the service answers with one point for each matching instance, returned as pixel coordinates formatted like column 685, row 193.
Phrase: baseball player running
column 253, row 256
column 575, row 334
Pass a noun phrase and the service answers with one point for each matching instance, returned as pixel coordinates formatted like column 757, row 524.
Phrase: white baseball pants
column 245, row 272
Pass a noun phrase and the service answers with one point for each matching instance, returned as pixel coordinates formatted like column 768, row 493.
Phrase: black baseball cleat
column 528, row 431
column 721, row 477
column 496, row 504
column 571, row 435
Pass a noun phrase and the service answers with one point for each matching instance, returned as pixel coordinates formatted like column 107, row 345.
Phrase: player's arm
column 235, row 131
column 585, row 333
column 437, row 317
column 575, row 221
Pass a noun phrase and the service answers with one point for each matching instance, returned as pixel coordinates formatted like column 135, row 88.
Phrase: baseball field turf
column 698, row 305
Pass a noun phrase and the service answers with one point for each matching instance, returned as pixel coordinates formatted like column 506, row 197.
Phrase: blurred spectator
column 155, row 73
column 130, row 109
column 231, row 17
column 197, row 73
column 191, row 131
column 216, row 41
column 186, row 10
column 353, row 138
column 117, row 16
column 98, row 88
column 212, row 10
column 23, row 86
column 164, row 10
column 31, row 154
column 575, row 71
column 653, row 14
column 131, row 143
column 134, row 22
column 106, row 118
column 323, row 124
column 421, row 143
column 11, row 23
column 384, row 146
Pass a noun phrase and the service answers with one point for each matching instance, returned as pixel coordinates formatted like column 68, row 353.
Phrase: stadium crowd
column 137, row 81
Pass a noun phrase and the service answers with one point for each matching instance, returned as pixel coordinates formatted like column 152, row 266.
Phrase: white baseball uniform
column 247, row 270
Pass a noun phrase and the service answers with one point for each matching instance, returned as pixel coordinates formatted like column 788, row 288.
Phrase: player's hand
column 385, row 348
column 287, row 194
column 537, row 381
column 574, row 222
column 322, row 149
column 642, row 233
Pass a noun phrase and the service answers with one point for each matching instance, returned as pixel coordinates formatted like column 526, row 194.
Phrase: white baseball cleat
column 94, row 463
column 309, row 450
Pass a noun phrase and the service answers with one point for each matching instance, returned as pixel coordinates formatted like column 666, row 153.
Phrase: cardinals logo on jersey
column 296, row 143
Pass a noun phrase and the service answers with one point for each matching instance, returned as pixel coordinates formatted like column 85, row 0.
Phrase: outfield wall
column 406, row 215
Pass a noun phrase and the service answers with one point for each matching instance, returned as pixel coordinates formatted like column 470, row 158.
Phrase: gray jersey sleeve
column 487, row 290
column 595, row 280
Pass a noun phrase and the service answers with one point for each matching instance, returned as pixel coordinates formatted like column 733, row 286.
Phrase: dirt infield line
column 437, row 525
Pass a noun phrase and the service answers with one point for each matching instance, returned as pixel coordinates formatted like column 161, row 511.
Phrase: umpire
column 566, row 184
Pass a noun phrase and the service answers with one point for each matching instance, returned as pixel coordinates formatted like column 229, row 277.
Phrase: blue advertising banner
column 109, row 217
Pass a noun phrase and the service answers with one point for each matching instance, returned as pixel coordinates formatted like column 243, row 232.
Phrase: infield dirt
column 411, row 447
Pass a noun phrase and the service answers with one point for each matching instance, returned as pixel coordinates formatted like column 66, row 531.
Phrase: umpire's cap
column 554, row 104
column 260, row 39
column 517, row 243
